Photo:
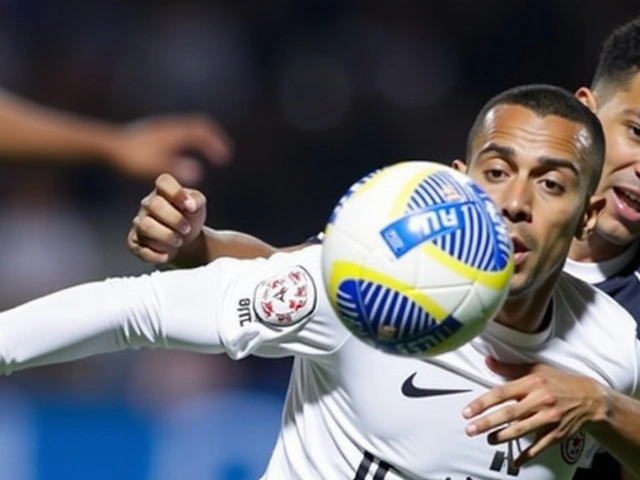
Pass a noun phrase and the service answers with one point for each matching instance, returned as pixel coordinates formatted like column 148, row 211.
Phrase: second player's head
column 538, row 152
column 615, row 98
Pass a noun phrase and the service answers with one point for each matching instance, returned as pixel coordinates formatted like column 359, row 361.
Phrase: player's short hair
column 619, row 58
column 544, row 100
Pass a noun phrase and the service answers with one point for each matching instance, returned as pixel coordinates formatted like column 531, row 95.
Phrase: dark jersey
column 620, row 278
column 625, row 286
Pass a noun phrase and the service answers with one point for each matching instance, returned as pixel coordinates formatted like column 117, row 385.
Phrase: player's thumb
column 507, row 370
column 192, row 200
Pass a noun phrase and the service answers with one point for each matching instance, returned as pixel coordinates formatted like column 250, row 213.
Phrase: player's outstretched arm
column 169, row 227
column 554, row 405
column 143, row 149
column 180, row 309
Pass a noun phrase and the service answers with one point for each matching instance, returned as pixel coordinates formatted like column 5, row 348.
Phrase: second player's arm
column 169, row 227
column 212, row 244
column 618, row 428
column 554, row 404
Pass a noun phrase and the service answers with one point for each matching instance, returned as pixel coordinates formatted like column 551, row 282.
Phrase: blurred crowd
column 313, row 93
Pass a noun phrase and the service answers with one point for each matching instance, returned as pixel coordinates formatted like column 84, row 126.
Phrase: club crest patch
column 572, row 447
column 285, row 299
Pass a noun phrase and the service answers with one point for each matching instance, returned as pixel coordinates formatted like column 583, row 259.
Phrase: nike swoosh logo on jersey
column 410, row 390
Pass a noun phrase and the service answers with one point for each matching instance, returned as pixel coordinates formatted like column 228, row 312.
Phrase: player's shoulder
column 585, row 299
column 307, row 255
column 569, row 282
column 598, row 333
column 592, row 310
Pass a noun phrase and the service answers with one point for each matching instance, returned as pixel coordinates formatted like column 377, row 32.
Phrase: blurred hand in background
column 142, row 149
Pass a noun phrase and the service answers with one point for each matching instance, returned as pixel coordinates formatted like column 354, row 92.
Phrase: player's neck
column 529, row 312
column 594, row 249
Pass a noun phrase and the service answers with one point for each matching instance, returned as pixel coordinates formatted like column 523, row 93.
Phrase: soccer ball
column 416, row 259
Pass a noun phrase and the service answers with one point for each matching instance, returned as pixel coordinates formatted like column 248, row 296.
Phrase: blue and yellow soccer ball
column 416, row 259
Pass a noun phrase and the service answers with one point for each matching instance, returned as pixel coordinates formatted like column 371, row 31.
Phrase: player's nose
column 516, row 201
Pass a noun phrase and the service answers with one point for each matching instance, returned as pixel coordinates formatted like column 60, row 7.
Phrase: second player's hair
column 619, row 57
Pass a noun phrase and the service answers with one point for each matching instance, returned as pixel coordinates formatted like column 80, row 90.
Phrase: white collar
column 598, row 272
column 516, row 338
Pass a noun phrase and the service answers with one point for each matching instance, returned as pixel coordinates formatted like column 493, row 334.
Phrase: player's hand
column 542, row 400
column 168, row 222
column 146, row 148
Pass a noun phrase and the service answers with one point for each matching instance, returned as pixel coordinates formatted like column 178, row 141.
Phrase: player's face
column 619, row 223
column 533, row 169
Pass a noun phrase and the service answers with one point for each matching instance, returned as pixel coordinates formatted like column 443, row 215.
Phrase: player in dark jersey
column 610, row 257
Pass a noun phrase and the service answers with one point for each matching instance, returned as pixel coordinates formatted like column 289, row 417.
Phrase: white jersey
column 351, row 412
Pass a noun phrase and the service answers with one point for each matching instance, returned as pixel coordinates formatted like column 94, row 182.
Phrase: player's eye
column 552, row 186
column 634, row 130
column 494, row 174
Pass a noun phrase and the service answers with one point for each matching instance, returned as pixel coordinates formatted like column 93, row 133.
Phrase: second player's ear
column 590, row 217
column 588, row 98
column 459, row 165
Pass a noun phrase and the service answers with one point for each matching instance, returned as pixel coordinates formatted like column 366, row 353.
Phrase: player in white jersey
column 157, row 236
column 353, row 412
column 549, row 403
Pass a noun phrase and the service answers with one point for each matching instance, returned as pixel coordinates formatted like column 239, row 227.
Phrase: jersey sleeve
column 269, row 307
column 278, row 307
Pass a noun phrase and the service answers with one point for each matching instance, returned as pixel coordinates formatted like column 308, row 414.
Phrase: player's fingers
column 193, row 200
column 513, row 390
column 150, row 256
column 169, row 187
column 524, row 407
column 145, row 252
column 160, row 210
column 190, row 200
column 542, row 442
column 148, row 228
column 521, row 427
column 158, row 246
column 207, row 136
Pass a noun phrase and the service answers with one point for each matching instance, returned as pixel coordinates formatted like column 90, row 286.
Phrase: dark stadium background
column 315, row 94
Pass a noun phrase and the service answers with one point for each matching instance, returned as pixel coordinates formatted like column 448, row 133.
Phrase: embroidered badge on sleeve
column 285, row 299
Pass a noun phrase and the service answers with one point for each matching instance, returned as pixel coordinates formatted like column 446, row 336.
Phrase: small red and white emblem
column 285, row 299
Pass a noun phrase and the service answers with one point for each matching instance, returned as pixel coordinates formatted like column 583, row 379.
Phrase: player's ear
column 459, row 165
column 590, row 217
column 587, row 97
